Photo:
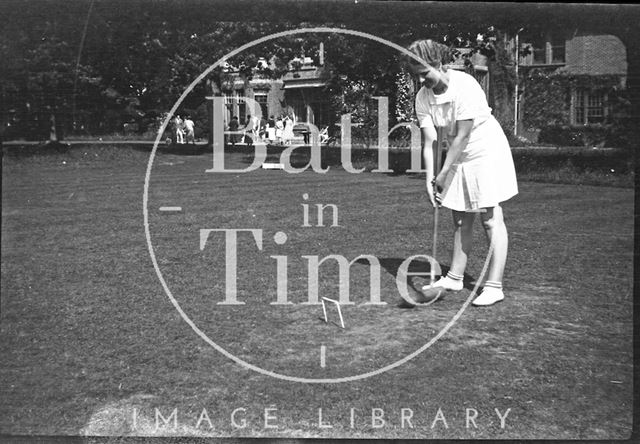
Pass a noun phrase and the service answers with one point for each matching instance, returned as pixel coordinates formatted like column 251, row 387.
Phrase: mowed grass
column 88, row 333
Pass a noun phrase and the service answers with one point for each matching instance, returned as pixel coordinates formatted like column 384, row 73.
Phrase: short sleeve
column 423, row 110
column 471, row 102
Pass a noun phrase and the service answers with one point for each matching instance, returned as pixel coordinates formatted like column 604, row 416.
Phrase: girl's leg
column 462, row 243
column 496, row 231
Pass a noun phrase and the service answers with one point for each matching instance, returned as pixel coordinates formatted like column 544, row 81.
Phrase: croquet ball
column 432, row 293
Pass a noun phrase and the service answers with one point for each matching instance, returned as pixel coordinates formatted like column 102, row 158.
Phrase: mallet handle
column 436, row 167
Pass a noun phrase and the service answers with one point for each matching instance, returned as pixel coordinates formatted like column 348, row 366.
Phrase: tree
column 138, row 57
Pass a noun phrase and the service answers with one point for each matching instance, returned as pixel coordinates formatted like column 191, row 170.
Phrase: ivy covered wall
column 546, row 105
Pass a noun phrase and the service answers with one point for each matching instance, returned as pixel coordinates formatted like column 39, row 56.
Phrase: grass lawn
column 92, row 345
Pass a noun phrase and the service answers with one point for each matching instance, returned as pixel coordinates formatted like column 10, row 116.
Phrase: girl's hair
column 433, row 53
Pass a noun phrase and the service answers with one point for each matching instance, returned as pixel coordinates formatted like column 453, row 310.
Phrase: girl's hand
column 438, row 182
column 430, row 191
column 433, row 198
column 438, row 185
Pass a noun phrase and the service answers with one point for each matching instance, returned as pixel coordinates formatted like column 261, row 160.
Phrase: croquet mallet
column 438, row 148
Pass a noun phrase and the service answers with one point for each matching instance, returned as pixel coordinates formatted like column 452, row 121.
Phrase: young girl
column 279, row 131
column 478, row 173
column 287, row 133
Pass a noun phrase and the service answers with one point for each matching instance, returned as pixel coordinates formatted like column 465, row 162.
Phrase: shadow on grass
column 392, row 265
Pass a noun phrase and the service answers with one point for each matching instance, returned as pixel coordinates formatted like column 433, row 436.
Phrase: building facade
column 593, row 67
column 300, row 93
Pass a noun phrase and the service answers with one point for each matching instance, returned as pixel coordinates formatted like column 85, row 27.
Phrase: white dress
column 483, row 176
column 287, row 134
column 271, row 133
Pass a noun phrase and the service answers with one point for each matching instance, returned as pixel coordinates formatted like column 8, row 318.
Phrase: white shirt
column 483, row 175
column 464, row 99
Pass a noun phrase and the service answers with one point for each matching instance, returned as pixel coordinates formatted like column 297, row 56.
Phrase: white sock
column 492, row 286
column 454, row 281
column 491, row 293
column 451, row 281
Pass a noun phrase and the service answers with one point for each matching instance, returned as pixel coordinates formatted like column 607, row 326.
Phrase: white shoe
column 445, row 283
column 489, row 296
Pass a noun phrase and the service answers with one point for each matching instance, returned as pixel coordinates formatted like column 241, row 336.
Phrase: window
column 579, row 107
column 544, row 51
column 558, row 51
column 539, row 56
column 589, row 107
column 242, row 106
column 321, row 114
column 228, row 102
column 262, row 101
column 533, row 54
column 595, row 107
column 557, row 54
column 300, row 110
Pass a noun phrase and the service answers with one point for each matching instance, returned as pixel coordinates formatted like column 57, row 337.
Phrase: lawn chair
column 325, row 138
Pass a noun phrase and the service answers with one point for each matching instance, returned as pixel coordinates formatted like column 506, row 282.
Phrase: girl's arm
column 456, row 147
column 428, row 137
